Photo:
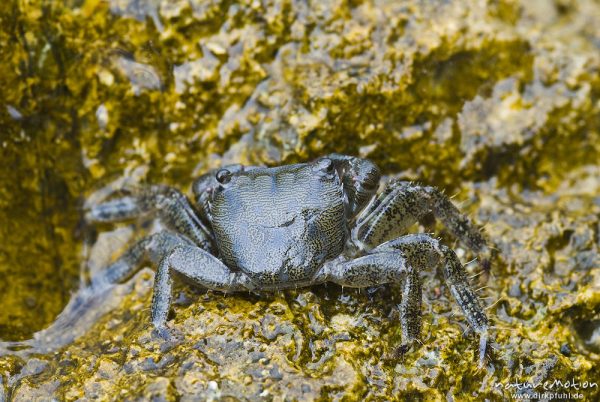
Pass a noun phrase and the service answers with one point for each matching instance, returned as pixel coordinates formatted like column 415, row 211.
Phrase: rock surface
column 497, row 102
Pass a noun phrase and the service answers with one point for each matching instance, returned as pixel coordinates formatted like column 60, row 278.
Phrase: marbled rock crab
column 256, row 228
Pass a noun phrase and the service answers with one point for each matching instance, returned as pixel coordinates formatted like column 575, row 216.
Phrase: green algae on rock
column 497, row 102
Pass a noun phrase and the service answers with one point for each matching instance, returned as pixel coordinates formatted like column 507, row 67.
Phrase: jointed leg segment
column 172, row 254
column 185, row 251
column 196, row 266
column 171, row 206
column 400, row 260
column 401, row 204
column 150, row 248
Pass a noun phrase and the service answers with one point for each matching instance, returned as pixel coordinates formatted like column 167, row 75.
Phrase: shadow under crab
column 263, row 229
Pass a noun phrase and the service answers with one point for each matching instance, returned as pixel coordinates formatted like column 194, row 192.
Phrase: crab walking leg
column 466, row 298
column 401, row 204
column 421, row 250
column 171, row 206
column 196, row 266
column 150, row 248
column 401, row 260
column 380, row 268
column 119, row 209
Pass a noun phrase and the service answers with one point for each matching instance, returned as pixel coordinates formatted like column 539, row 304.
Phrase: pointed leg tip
column 483, row 342
column 397, row 352
column 403, row 349
column 486, row 265
column 161, row 332
column 486, row 255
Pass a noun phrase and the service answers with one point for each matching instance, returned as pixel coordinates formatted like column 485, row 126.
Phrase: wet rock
column 496, row 102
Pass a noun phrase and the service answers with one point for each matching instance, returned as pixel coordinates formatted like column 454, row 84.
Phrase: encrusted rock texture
column 495, row 102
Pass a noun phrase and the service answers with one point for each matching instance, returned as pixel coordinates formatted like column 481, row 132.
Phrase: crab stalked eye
column 326, row 165
column 223, row 176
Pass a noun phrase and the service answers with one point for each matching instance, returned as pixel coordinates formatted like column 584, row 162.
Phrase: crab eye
column 223, row 176
column 326, row 164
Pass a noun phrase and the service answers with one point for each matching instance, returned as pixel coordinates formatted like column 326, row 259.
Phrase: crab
column 253, row 228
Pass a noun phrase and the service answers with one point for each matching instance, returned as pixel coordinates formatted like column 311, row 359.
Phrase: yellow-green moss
column 498, row 103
